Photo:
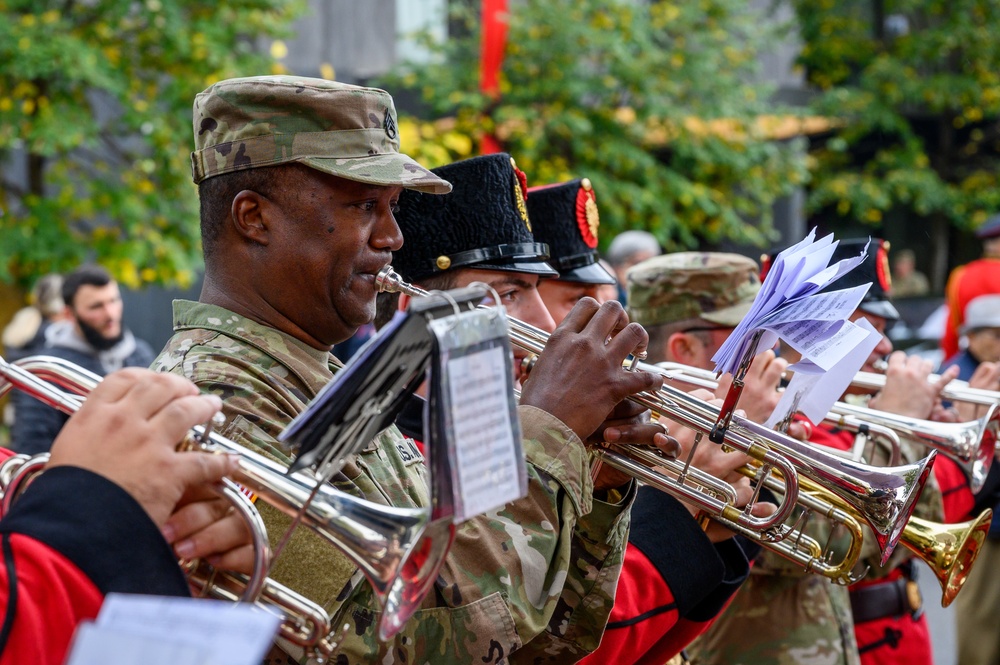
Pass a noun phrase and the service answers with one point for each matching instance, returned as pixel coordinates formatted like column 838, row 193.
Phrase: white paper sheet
column 813, row 390
column 158, row 630
column 787, row 305
column 486, row 454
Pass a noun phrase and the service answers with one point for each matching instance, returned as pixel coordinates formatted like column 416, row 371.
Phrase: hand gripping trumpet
column 885, row 497
column 396, row 549
column 971, row 444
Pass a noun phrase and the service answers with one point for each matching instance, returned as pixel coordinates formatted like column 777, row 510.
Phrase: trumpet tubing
column 396, row 549
column 884, row 497
column 791, row 544
column 956, row 391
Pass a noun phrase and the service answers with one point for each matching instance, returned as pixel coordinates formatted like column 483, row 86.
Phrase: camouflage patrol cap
column 710, row 286
column 340, row 129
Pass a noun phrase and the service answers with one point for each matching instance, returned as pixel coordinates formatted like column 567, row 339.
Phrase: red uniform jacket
column 70, row 539
column 673, row 583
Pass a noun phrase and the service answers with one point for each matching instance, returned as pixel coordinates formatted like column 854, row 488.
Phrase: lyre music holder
column 367, row 394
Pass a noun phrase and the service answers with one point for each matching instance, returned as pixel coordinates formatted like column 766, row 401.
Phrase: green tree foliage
column 95, row 127
column 916, row 87
column 653, row 101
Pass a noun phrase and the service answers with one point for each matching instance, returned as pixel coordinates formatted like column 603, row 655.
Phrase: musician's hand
column 206, row 525
column 986, row 377
column 630, row 424
column 908, row 391
column 579, row 378
column 127, row 431
column 717, row 533
column 760, row 389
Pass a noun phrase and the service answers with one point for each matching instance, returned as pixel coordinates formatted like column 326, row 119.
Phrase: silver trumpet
column 956, row 390
column 885, row 497
column 398, row 551
column 971, row 444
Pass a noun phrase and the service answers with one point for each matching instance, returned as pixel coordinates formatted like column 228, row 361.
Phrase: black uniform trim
column 99, row 527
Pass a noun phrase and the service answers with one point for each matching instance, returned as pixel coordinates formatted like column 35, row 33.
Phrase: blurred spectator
column 25, row 334
column 981, row 332
column 977, row 606
column 627, row 249
column 977, row 278
column 92, row 337
column 907, row 281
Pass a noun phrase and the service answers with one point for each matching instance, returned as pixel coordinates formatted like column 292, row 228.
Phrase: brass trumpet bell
column 949, row 549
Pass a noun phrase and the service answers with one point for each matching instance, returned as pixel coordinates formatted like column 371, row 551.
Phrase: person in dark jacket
column 92, row 337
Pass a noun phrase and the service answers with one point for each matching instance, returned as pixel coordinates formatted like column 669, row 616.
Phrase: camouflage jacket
column 533, row 581
column 783, row 616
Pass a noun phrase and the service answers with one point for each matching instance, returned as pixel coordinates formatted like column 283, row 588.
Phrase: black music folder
column 367, row 394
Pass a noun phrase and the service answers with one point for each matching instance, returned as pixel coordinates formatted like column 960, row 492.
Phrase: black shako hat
column 873, row 270
column 564, row 216
column 481, row 223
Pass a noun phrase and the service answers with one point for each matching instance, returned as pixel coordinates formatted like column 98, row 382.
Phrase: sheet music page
column 785, row 297
column 486, row 453
column 167, row 630
column 813, row 390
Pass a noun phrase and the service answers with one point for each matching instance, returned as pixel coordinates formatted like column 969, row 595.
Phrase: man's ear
column 403, row 303
column 249, row 216
column 681, row 347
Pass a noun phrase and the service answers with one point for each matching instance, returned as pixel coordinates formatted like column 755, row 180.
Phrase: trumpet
column 955, row 390
column 885, row 497
column 790, row 543
column 397, row 549
column 971, row 445
column 949, row 550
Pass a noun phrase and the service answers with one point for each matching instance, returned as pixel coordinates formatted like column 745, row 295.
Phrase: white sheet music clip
column 788, row 306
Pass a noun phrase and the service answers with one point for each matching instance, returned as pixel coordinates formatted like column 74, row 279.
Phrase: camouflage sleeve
column 510, row 572
column 522, row 582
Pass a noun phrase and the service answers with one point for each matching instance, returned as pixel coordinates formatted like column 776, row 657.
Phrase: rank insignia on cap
column 390, row 125
column 587, row 216
column 521, row 193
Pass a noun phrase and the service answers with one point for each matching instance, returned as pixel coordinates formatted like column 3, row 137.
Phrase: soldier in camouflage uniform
column 659, row 603
column 689, row 303
column 298, row 180
column 784, row 616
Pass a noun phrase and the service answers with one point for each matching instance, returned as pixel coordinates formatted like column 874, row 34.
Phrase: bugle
column 949, row 550
column 955, row 390
column 396, row 549
column 971, row 445
column 885, row 497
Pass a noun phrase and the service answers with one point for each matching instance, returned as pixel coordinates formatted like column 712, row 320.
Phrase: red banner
column 494, row 39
